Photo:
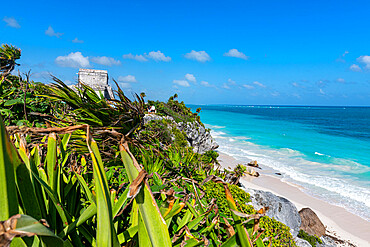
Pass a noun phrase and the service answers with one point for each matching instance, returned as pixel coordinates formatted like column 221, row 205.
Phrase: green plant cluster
column 20, row 104
column 163, row 131
column 214, row 190
column 313, row 240
column 8, row 56
column 177, row 110
column 157, row 130
column 272, row 227
column 275, row 228
column 180, row 138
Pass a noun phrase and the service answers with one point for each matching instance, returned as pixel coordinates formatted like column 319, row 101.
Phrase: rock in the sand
column 253, row 163
column 311, row 223
column 250, row 171
column 301, row 242
column 279, row 208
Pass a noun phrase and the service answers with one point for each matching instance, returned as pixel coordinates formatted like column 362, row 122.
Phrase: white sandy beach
column 338, row 221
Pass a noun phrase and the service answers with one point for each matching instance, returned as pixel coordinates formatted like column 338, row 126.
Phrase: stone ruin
column 97, row 80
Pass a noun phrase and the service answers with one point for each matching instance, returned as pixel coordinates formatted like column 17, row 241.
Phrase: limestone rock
column 301, row 242
column 279, row 208
column 149, row 117
column 250, row 171
column 253, row 163
column 327, row 242
column 199, row 138
column 311, row 223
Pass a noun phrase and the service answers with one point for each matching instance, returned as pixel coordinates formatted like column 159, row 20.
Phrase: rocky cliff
column 197, row 135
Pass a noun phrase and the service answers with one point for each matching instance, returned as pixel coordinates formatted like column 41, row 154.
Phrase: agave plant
column 67, row 205
column 75, row 211
column 88, row 107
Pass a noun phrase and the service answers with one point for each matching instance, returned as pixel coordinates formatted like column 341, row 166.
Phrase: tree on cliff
column 8, row 55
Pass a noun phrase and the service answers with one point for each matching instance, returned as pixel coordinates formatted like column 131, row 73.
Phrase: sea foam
column 319, row 179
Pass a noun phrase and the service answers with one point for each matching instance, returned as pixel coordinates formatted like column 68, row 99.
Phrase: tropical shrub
column 276, row 231
column 177, row 110
column 313, row 240
column 8, row 56
column 214, row 190
column 79, row 208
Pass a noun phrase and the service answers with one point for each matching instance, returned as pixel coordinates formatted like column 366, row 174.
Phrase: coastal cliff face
column 197, row 135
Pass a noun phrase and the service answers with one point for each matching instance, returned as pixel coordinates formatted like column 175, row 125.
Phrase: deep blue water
column 324, row 149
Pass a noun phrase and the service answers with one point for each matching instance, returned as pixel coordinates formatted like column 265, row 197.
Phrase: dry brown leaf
column 136, row 184
column 8, row 231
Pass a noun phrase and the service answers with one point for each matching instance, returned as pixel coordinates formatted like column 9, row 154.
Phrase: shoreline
column 338, row 221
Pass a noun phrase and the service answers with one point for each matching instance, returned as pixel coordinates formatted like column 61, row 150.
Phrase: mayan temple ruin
column 97, row 80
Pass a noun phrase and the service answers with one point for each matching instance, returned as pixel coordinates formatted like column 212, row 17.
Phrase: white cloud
column 158, row 56
column 190, row 77
column 200, row 56
column 275, row 94
column 258, row 84
column 182, row 83
column 125, row 85
column 341, row 58
column 73, row 60
column 11, row 22
column 154, row 55
column 107, row 61
column 139, row 58
column 248, row 86
column 127, row 78
column 231, row 82
column 355, row 67
column 365, row 60
column 205, row 83
column 50, row 32
column 235, row 53
column 225, row 86
column 76, row 40
column 295, row 84
column 341, row 80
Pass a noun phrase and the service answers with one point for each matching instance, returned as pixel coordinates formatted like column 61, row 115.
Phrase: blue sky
column 208, row 52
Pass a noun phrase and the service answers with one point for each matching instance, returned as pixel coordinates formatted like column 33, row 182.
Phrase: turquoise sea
column 326, row 150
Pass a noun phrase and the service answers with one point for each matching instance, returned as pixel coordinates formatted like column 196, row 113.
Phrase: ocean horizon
column 322, row 149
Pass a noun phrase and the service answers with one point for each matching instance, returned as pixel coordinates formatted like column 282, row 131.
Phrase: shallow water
column 326, row 150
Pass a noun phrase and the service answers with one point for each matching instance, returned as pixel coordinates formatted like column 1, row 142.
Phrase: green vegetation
column 214, row 190
column 177, row 110
column 79, row 170
column 313, row 240
column 272, row 227
column 8, row 56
